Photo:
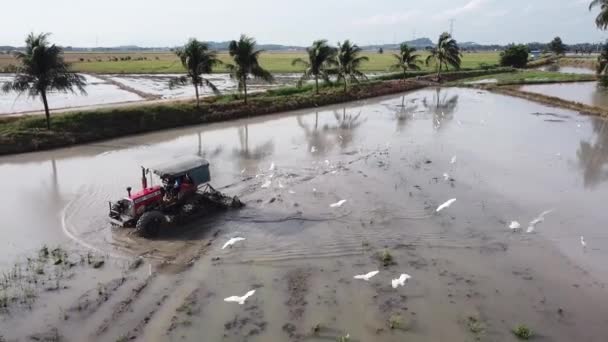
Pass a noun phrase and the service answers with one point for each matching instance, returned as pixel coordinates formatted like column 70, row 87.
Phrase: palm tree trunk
column 196, row 91
column 404, row 75
column 317, row 84
column 439, row 72
column 46, row 109
column 345, row 84
column 245, row 88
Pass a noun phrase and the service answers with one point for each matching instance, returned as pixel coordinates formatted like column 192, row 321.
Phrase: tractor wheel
column 149, row 224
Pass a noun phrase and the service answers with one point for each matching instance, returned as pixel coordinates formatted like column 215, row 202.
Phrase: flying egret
column 240, row 300
column 232, row 241
column 337, row 204
column 367, row 276
column 446, row 205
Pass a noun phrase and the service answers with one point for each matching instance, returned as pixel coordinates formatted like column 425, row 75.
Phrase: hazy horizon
column 154, row 24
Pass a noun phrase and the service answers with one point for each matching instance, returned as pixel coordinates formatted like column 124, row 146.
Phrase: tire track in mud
column 69, row 231
column 123, row 306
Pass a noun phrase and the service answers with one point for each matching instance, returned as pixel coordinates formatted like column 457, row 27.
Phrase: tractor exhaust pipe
column 144, row 180
column 129, row 191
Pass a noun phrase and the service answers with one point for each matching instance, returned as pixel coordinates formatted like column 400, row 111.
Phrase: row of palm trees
column 322, row 62
column 43, row 68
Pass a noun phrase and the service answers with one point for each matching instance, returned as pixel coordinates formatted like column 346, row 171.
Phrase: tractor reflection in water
column 185, row 194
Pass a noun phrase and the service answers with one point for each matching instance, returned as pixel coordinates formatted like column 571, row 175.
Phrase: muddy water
column 387, row 158
column 567, row 69
column 588, row 93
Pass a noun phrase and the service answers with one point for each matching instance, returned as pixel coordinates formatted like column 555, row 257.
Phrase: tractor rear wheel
column 149, row 224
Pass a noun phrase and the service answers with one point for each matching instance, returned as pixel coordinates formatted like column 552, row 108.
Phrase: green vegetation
column 169, row 63
column 475, row 325
column 197, row 59
column 522, row 332
column 601, row 21
column 246, row 64
column 557, row 46
column 406, row 60
column 387, row 258
column 445, row 54
column 321, row 57
column 344, row 338
column 515, row 56
column 530, row 77
column 42, row 70
column 348, row 64
column 45, row 270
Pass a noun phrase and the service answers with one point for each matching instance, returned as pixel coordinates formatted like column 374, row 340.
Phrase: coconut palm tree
column 246, row 64
column 43, row 70
column 601, row 21
column 197, row 59
column 406, row 60
column 446, row 53
column 348, row 63
column 320, row 60
column 602, row 60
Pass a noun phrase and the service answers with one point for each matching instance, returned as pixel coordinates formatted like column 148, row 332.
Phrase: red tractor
column 183, row 193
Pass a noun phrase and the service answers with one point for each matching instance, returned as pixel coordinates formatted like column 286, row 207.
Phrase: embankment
column 549, row 100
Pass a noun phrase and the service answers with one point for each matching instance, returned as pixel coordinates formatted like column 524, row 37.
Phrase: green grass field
column 531, row 77
column 275, row 62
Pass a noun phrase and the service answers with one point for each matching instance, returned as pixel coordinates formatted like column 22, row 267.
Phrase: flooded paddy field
column 567, row 69
column 330, row 194
column 99, row 92
column 122, row 88
column 589, row 93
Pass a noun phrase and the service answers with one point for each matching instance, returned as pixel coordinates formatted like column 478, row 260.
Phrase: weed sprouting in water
column 344, row 338
column 45, row 270
column 123, row 338
column 395, row 322
column 387, row 258
column 475, row 325
column 43, row 253
column 522, row 332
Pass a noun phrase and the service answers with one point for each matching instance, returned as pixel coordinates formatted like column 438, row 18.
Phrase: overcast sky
column 169, row 23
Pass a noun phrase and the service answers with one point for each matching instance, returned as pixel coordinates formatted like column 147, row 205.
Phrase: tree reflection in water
column 441, row 107
column 249, row 158
column 593, row 157
column 204, row 153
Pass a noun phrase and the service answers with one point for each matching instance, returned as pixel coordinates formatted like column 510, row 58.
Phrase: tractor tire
column 149, row 224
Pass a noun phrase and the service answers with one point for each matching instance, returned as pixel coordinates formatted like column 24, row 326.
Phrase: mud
column 473, row 278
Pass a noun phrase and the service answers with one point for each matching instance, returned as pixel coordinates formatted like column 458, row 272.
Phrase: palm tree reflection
column 346, row 126
column 250, row 157
column 593, row 157
column 204, row 153
column 315, row 138
column 442, row 107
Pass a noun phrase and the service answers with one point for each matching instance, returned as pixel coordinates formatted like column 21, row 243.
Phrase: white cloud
column 469, row 7
column 388, row 19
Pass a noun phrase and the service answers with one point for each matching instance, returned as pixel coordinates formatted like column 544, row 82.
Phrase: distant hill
column 419, row 43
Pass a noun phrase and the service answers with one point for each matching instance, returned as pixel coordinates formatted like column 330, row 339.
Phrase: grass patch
column 522, row 332
column 529, row 77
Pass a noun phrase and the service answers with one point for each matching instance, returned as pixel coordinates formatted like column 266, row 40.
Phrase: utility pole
column 452, row 27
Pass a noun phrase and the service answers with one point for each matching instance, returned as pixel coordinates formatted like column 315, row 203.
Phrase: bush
column 515, row 56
